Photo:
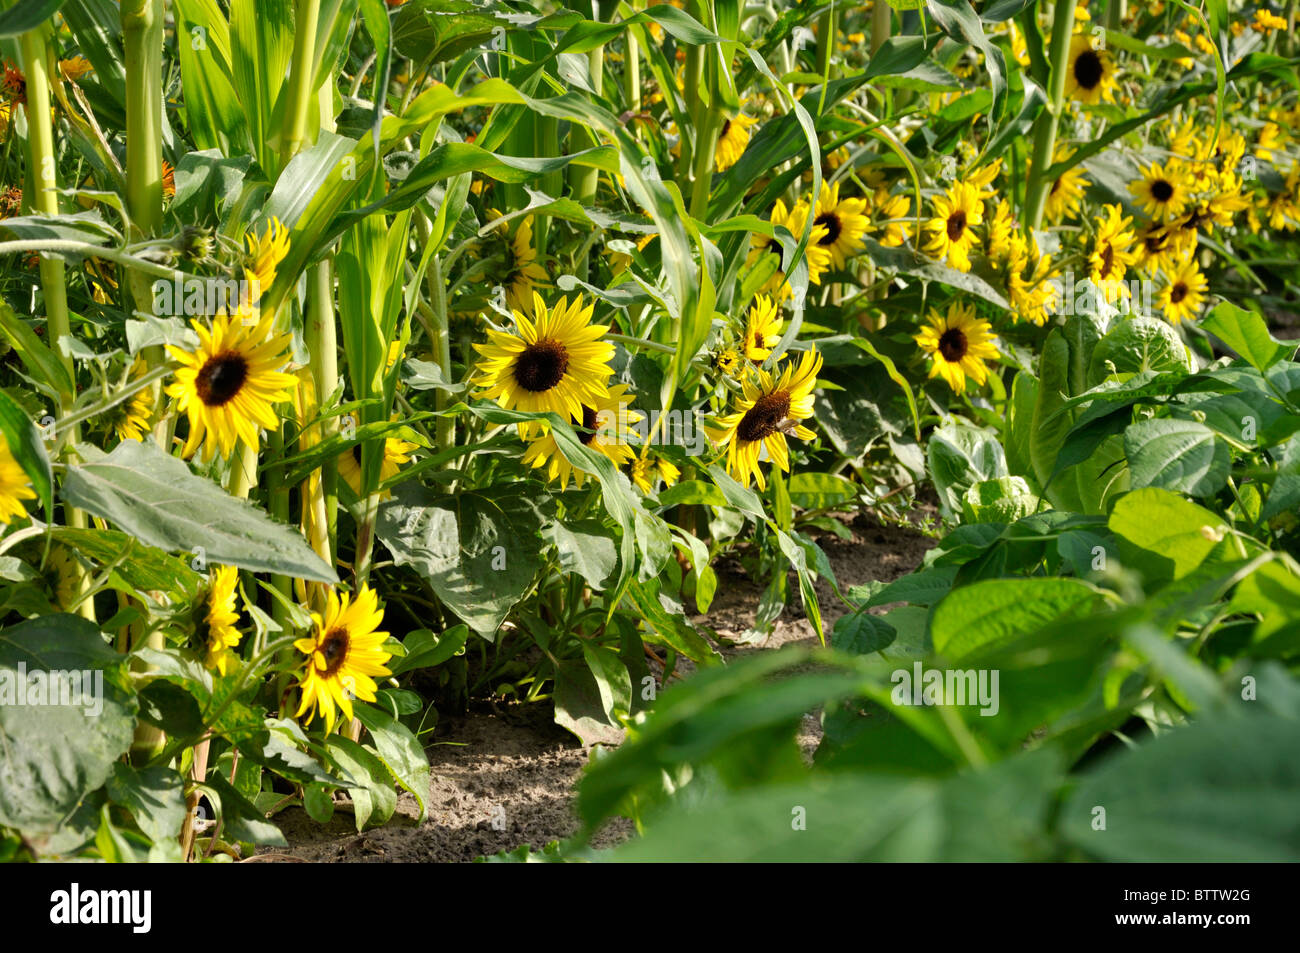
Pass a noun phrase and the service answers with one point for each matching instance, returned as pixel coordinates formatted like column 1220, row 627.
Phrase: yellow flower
column 762, row 330
column 1270, row 139
column 728, row 361
column 769, row 409
column 229, row 386
column 1266, row 21
column 952, row 228
column 130, row 419
column 344, row 654
column 1066, row 193
column 983, row 178
column 1112, row 252
column 75, row 67
column 1162, row 192
column 1001, row 227
column 817, row 257
column 1091, row 75
column 555, row 361
column 222, row 616
column 1031, row 295
column 396, row 453
column 522, row 273
column 958, row 345
column 844, row 221
column 1181, row 298
column 889, row 221
column 604, row 428
column 1160, row 247
column 733, row 137
column 63, row 574
column 646, row 470
column 14, row 485
column 265, row 255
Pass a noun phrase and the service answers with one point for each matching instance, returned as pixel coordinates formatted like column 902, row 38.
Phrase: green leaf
column 1221, row 790
column 1134, row 346
column 400, row 751
column 583, row 700
column 815, row 491
column 53, row 755
column 28, row 449
column 212, row 108
column 27, row 16
column 995, row 612
column 860, row 633
column 155, row 796
column 1247, row 334
column 1163, row 535
column 1000, row 500
column 156, row 498
column 585, row 547
column 478, row 550
column 368, row 781
column 425, row 649
column 41, row 362
column 1179, row 455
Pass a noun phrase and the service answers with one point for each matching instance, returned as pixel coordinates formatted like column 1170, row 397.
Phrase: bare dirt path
column 502, row 778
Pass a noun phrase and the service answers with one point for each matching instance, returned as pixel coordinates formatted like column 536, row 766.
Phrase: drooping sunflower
column 1066, row 192
column 344, row 654
column 1112, row 252
column 769, row 409
column 63, row 576
column 396, row 453
column 817, row 257
column 1160, row 247
column 222, row 615
column 1029, row 288
column 523, row 275
column 14, row 485
column 264, row 256
column 130, row 419
column 762, row 329
column 952, row 228
column 1181, row 298
column 1091, row 75
column 230, row 385
column 889, row 223
column 556, row 362
column 647, row 470
column 958, row 344
column 844, row 221
column 1163, row 191
column 733, row 137
column 604, row 428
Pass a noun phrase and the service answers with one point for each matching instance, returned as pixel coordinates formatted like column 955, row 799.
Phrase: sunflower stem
column 1048, row 120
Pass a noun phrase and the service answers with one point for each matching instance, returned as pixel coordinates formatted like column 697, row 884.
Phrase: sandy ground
column 504, row 777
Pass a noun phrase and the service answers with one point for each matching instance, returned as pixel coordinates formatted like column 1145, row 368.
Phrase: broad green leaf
column 1162, row 534
column 157, row 499
column 994, row 612
column 1247, row 334
column 1179, row 455
column 400, row 751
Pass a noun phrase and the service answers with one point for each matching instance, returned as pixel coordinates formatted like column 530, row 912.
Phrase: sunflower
column 958, row 345
column 762, row 330
column 1160, row 247
column 844, row 221
column 63, row 575
column 604, row 428
column 1066, row 193
column 727, row 361
column 733, row 137
column 265, row 255
column 647, row 470
column 344, row 653
column 817, row 257
column 169, row 182
column 1112, row 252
column 888, row 221
column 999, row 231
column 1031, row 293
column 221, row 618
column 1091, row 75
column 230, row 384
column 130, row 419
column 1181, row 298
column 555, row 362
column 1162, row 192
column 522, row 272
column 14, row 485
column 769, row 409
column 396, row 452
column 952, row 229
column 75, row 67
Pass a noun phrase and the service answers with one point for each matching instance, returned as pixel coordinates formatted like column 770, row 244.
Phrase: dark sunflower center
column 1177, row 293
column 952, row 345
column 1088, row 69
column 221, row 378
column 956, row 225
column 335, row 650
column 758, row 339
column 764, row 418
column 1107, row 261
column 1155, row 242
column 726, row 125
column 589, row 422
column 831, row 222
column 1056, row 187
column 541, row 366
column 1161, row 190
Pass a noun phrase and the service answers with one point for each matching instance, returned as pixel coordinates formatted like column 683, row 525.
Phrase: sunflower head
column 1090, row 77
column 219, row 617
column 344, row 654
column 733, row 137
column 554, row 362
column 264, row 256
column 762, row 329
column 229, row 385
column 958, row 344
column 604, row 427
column 14, row 485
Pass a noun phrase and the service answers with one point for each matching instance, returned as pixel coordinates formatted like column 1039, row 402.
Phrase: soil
column 504, row 777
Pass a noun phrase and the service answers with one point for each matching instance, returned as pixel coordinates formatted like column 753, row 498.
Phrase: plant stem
column 1045, row 126
column 301, row 72
column 881, row 24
